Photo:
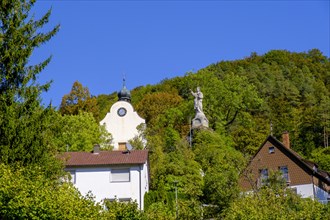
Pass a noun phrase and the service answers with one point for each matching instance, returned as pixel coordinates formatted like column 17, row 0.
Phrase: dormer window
column 271, row 149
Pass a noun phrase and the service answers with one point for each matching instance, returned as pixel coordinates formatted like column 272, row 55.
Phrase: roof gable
column 104, row 158
column 306, row 165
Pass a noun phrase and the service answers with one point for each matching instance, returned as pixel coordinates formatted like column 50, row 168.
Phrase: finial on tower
column 124, row 94
column 124, row 80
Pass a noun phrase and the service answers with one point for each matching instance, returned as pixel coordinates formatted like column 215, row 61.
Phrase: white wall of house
column 305, row 190
column 99, row 181
column 308, row 191
column 122, row 128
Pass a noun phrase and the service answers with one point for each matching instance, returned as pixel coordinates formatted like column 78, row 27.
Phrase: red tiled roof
column 104, row 158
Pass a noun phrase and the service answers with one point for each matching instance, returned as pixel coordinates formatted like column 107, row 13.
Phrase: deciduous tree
column 79, row 99
column 26, row 193
column 275, row 201
column 80, row 133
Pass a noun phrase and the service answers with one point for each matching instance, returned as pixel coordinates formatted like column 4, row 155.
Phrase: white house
column 122, row 175
column 122, row 121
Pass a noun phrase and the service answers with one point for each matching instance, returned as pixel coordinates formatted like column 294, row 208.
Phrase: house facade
column 110, row 175
column 301, row 175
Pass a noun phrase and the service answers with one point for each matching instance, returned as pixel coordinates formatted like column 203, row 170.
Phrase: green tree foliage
column 19, row 37
column 27, row 137
column 104, row 103
column 321, row 156
column 123, row 211
column 243, row 100
column 160, row 211
column 152, row 105
column 26, row 193
column 175, row 166
column 275, row 201
column 79, row 99
column 25, row 126
column 80, row 133
column 221, row 166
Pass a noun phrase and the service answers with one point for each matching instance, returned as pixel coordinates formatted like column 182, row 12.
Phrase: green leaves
column 275, row 202
column 25, row 126
column 25, row 193
column 79, row 99
column 19, row 37
column 80, row 133
column 123, row 210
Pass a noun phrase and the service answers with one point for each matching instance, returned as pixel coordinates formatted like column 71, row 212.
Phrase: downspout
column 140, row 190
column 313, row 187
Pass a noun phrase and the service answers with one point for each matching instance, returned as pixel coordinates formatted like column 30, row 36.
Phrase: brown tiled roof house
column 301, row 175
column 104, row 158
column 110, row 175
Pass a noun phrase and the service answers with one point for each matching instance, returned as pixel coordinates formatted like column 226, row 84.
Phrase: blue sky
column 148, row 41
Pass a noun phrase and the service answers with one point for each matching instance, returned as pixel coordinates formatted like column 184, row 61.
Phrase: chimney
column 96, row 149
column 286, row 139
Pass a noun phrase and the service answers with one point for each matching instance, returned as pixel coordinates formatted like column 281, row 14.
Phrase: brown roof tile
column 303, row 162
column 105, row 158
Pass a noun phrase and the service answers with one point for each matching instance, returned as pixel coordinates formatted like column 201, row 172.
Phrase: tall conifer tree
column 24, row 123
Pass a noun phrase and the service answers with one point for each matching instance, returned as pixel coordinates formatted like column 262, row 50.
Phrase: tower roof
column 124, row 94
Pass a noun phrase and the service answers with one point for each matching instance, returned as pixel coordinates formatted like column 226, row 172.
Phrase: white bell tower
column 122, row 121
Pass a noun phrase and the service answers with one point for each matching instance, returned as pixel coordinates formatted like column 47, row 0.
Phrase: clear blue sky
column 149, row 41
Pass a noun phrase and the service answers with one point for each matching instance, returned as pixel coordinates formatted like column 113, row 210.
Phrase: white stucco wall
column 307, row 191
column 122, row 128
column 98, row 181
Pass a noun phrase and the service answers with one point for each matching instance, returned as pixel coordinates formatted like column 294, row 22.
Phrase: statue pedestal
column 200, row 120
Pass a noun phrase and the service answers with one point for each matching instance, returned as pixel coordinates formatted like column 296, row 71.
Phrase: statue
column 200, row 119
column 198, row 105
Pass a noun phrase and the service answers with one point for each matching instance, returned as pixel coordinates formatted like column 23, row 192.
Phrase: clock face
column 121, row 112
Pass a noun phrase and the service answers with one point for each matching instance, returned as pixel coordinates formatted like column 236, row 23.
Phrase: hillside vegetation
column 244, row 100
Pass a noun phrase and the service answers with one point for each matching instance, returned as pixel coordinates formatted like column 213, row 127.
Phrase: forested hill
column 242, row 99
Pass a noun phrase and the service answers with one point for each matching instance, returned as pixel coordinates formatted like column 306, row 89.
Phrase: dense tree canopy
column 26, row 193
column 80, row 133
column 275, row 201
column 79, row 99
column 244, row 100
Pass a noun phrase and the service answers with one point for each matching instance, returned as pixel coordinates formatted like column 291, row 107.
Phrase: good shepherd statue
column 200, row 119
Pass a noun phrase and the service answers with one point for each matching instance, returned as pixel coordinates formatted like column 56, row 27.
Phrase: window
column 119, row 200
column 271, row 149
column 122, row 146
column 120, row 175
column 263, row 173
column 285, row 173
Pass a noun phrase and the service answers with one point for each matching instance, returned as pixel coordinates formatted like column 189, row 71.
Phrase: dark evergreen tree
column 24, row 124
